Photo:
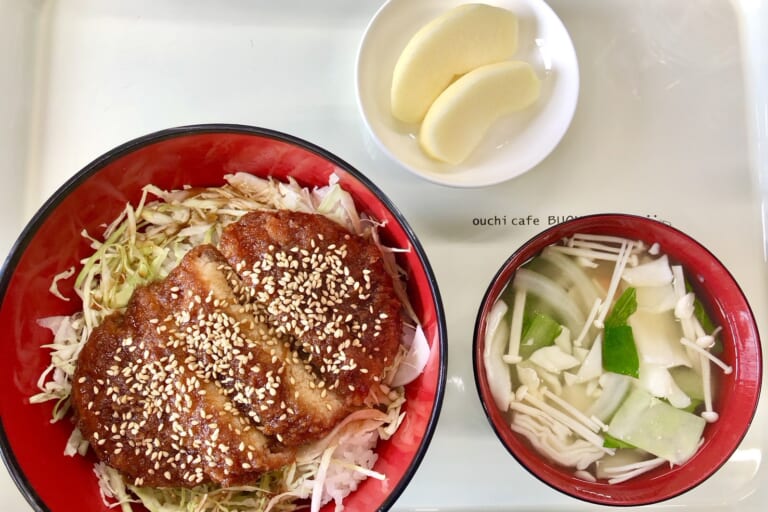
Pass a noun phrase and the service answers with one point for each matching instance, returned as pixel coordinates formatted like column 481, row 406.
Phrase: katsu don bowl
column 218, row 317
column 617, row 360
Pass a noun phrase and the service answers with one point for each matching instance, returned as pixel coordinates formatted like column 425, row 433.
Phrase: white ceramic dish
column 514, row 144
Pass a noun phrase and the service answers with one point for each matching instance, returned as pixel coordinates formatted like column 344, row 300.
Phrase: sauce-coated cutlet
column 218, row 372
column 324, row 286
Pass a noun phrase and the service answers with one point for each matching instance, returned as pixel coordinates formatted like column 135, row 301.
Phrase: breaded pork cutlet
column 324, row 286
column 188, row 386
column 218, row 372
column 151, row 417
column 230, row 343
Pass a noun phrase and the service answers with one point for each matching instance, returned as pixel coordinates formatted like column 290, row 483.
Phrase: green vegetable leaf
column 625, row 305
column 695, row 405
column 689, row 381
column 701, row 315
column 620, row 351
column 705, row 320
column 699, row 312
column 540, row 331
column 613, row 442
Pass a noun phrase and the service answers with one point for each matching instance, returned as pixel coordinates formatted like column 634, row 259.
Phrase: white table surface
column 672, row 122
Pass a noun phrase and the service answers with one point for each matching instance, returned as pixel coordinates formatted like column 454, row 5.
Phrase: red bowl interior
column 198, row 156
column 735, row 400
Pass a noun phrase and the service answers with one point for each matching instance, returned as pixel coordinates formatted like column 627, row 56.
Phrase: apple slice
column 461, row 39
column 459, row 118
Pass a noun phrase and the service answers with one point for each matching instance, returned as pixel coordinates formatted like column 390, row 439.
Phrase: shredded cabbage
column 143, row 244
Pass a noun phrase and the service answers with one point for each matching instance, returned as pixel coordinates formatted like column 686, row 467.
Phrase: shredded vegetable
column 144, row 243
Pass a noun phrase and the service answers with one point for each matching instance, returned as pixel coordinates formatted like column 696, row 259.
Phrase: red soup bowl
column 196, row 156
column 734, row 397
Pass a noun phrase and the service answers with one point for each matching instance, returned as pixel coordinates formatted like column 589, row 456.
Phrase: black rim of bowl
column 486, row 406
column 29, row 231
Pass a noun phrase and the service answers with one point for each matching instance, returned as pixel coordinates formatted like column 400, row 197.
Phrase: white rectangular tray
column 672, row 122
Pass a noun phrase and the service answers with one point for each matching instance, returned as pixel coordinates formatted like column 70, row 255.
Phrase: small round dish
column 514, row 144
column 195, row 156
column 736, row 396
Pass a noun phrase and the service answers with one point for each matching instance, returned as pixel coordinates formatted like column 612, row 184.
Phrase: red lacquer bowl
column 735, row 399
column 198, row 156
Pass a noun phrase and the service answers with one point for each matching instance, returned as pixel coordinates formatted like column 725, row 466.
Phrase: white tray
column 671, row 123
